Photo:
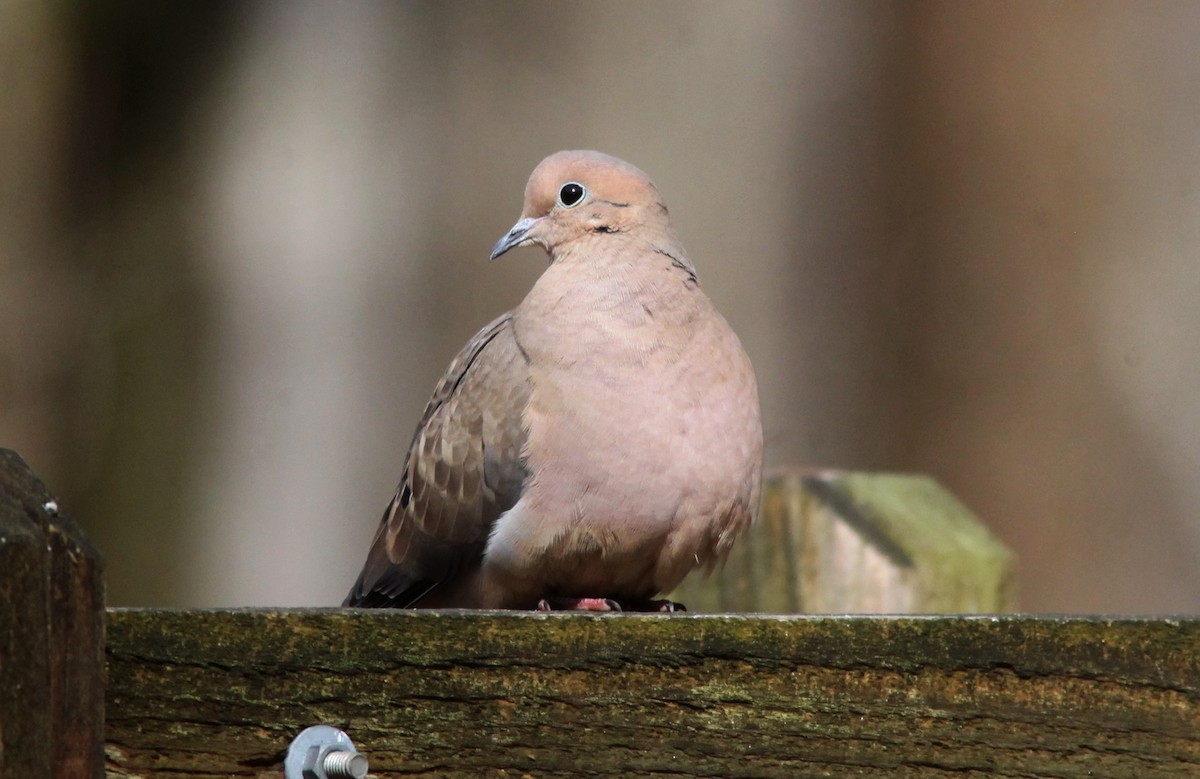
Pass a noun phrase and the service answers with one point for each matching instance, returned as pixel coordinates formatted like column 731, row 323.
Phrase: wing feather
column 462, row 471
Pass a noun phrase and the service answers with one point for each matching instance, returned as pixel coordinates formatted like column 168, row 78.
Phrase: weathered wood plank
column 196, row 693
column 835, row 542
column 24, row 635
column 51, row 635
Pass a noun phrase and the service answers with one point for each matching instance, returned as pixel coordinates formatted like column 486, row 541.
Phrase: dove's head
column 575, row 194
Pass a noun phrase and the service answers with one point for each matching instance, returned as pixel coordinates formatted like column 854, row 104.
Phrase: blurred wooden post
column 845, row 543
column 51, row 636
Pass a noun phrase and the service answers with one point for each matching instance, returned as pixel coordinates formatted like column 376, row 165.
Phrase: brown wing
column 462, row 471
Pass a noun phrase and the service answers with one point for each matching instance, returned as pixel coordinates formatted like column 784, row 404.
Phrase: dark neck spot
column 678, row 263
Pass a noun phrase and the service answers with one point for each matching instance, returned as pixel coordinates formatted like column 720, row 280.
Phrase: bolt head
column 312, row 762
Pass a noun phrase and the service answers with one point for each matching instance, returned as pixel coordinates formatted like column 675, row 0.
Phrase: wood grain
column 202, row 693
column 51, row 635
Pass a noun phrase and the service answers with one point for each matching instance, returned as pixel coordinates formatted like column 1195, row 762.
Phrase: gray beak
column 515, row 237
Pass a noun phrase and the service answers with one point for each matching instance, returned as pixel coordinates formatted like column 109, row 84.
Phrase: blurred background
column 239, row 242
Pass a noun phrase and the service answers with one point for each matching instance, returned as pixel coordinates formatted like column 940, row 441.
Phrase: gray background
column 240, row 241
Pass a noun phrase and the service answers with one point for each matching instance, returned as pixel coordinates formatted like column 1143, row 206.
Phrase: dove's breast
column 644, row 447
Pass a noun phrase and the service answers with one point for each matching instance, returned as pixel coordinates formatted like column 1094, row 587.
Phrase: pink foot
column 559, row 603
column 555, row 603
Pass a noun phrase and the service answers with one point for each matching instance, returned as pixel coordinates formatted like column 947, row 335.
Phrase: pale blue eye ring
column 571, row 194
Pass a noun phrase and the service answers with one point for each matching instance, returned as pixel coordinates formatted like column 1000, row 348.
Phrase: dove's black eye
column 571, row 194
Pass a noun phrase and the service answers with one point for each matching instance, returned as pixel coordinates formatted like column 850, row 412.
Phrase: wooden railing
column 222, row 692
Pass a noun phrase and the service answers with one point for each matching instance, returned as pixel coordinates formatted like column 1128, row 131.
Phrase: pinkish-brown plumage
column 600, row 441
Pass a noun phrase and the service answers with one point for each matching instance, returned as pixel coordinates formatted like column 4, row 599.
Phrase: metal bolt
column 343, row 764
column 323, row 752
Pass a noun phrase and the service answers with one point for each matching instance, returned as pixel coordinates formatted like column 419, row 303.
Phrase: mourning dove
column 594, row 445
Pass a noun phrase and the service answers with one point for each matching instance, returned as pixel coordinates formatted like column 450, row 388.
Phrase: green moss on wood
column 460, row 694
column 915, row 549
